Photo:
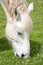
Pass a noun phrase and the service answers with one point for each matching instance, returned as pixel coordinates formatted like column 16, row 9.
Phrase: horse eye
column 15, row 11
column 19, row 33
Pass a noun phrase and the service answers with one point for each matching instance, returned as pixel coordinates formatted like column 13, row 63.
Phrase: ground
column 36, row 56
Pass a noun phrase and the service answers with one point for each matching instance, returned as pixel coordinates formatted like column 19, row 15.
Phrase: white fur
column 30, row 7
column 20, row 43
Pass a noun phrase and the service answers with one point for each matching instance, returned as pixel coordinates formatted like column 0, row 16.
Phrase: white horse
column 19, row 25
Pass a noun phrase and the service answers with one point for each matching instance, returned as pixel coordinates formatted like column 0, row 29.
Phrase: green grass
column 36, row 56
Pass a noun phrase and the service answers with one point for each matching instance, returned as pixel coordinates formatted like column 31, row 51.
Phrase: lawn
column 36, row 56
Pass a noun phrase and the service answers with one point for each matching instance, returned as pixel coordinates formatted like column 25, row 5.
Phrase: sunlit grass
column 36, row 56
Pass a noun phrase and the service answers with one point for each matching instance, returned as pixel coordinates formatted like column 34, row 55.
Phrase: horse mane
column 11, row 5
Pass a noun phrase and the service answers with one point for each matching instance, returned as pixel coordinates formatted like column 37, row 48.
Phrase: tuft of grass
column 36, row 56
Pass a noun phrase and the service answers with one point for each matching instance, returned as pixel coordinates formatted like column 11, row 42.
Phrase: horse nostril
column 22, row 55
column 17, row 55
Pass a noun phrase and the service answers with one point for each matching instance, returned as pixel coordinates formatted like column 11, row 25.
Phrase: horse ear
column 30, row 7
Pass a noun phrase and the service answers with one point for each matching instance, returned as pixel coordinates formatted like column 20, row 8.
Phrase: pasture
column 36, row 38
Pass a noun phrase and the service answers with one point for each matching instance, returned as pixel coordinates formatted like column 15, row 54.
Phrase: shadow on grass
column 4, row 44
column 35, row 47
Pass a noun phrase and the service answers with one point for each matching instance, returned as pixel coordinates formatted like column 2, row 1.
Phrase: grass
column 36, row 56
